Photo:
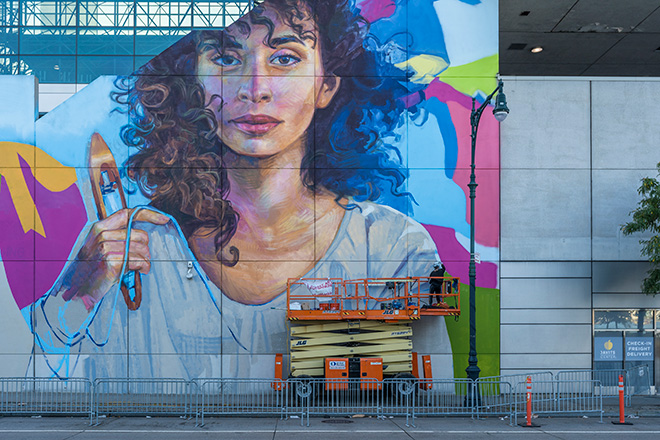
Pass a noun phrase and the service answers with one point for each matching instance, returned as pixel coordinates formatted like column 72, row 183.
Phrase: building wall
column 573, row 152
column 416, row 142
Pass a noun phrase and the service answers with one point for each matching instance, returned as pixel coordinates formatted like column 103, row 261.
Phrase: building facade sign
column 639, row 348
column 608, row 348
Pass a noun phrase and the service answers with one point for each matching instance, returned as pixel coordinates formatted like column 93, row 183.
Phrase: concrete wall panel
column 545, row 269
column 518, row 363
column 544, row 338
column 556, row 136
column 545, row 215
column 625, row 124
column 545, row 293
column 614, row 197
column 625, row 301
column 546, row 316
column 619, row 276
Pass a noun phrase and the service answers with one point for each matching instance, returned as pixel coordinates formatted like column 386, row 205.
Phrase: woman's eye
column 285, row 60
column 226, row 60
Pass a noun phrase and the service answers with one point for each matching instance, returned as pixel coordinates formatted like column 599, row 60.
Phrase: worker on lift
column 435, row 284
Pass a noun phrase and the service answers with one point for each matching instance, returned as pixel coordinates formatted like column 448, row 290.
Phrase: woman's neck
column 268, row 191
column 283, row 225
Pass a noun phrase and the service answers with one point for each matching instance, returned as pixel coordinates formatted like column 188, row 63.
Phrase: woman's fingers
column 135, row 262
column 112, row 252
column 137, row 236
column 119, row 220
column 146, row 215
column 138, row 263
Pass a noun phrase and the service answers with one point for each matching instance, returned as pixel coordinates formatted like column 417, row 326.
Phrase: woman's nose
column 255, row 88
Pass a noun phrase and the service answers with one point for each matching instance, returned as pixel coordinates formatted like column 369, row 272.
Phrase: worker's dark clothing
column 435, row 286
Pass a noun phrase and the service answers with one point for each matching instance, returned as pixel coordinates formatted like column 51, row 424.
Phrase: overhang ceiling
column 580, row 37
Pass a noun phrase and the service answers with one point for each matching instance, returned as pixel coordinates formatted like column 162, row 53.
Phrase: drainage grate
column 337, row 421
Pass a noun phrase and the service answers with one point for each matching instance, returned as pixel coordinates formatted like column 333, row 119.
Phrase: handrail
column 356, row 298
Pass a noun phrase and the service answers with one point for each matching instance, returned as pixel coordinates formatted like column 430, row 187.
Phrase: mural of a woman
column 263, row 149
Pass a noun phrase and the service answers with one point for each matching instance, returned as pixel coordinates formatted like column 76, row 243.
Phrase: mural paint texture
column 308, row 139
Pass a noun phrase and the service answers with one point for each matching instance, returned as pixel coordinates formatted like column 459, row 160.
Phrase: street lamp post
column 500, row 111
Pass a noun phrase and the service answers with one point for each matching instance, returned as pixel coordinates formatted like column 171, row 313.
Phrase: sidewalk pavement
column 229, row 428
column 644, row 416
column 643, row 406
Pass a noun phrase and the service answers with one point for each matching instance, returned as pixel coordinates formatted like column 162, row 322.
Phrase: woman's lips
column 255, row 124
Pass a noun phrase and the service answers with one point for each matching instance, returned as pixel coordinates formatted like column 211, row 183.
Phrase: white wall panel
column 519, row 363
column 619, row 276
column 548, row 126
column 546, row 293
column 614, row 197
column 544, row 338
column 625, row 301
column 545, row 215
column 625, row 124
column 545, row 269
column 546, row 316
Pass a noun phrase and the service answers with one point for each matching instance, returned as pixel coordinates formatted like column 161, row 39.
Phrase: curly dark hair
column 179, row 163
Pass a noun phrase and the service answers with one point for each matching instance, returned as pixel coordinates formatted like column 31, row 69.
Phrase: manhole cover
column 337, row 421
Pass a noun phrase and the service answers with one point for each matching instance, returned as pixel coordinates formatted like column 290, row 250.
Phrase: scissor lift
column 362, row 318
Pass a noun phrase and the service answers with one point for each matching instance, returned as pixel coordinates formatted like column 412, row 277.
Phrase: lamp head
column 501, row 111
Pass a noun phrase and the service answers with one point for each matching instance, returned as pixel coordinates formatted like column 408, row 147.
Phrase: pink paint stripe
column 373, row 10
column 457, row 259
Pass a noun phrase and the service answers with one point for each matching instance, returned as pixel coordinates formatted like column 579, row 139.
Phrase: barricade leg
column 201, row 409
column 410, row 408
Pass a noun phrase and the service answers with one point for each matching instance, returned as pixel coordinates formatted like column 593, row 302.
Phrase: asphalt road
column 164, row 428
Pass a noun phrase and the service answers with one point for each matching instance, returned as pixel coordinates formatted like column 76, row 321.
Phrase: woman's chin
column 261, row 147
column 249, row 300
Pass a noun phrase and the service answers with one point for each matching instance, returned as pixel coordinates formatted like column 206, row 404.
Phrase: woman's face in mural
column 264, row 95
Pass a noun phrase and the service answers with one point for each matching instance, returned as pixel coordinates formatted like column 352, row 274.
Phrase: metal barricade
column 580, row 397
column 492, row 398
column 349, row 397
column 398, row 398
column 608, row 378
column 544, row 394
column 444, row 397
column 539, row 376
column 638, row 380
column 489, row 383
column 248, row 397
column 306, row 396
column 143, row 397
column 46, row 396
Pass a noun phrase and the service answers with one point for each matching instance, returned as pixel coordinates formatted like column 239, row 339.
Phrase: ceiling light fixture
column 536, row 49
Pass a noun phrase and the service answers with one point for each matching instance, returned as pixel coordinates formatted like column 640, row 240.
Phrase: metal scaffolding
column 52, row 38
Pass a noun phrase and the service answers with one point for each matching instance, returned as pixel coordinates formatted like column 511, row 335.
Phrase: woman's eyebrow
column 214, row 44
column 283, row 39
column 229, row 42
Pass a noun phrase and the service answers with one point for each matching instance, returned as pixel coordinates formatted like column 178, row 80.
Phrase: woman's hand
column 97, row 267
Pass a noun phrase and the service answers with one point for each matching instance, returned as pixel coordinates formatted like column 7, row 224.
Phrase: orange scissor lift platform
column 383, row 299
column 332, row 318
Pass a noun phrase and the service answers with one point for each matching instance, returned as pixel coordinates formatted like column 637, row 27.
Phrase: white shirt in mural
column 186, row 328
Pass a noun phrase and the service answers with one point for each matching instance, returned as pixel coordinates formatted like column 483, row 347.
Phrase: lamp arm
column 475, row 116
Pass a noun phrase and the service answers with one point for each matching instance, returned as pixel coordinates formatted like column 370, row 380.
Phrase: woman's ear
column 327, row 91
